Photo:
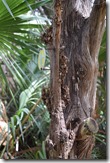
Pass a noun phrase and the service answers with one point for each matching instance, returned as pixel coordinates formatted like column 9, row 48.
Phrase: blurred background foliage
column 21, row 25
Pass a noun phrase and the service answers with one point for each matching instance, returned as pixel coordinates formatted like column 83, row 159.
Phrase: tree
column 77, row 32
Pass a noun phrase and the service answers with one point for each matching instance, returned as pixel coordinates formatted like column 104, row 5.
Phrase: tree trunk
column 74, row 67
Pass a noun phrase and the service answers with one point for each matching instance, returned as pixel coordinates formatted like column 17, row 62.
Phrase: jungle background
column 22, row 24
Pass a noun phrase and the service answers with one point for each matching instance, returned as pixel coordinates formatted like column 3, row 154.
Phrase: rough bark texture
column 74, row 67
column 82, row 37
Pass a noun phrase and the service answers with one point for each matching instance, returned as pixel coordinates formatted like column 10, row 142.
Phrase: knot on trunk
column 86, row 138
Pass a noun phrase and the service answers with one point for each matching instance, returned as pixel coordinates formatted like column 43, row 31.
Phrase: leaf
column 41, row 155
column 100, row 135
column 8, row 8
column 43, row 150
column 12, row 126
column 20, row 126
column 41, row 59
column 24, row 97
column 101, row 140
column 27, row 94
column 25, row 110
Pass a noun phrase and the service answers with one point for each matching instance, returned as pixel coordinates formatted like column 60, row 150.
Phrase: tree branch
column 56, row 112
column 56, row 44
column 97, row 26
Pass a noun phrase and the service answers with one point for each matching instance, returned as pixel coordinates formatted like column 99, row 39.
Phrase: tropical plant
column 21, row 27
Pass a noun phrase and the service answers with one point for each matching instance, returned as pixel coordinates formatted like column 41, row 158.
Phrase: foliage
column 20, row 30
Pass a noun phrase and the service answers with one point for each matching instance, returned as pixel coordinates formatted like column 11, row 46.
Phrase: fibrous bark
column 77, row 34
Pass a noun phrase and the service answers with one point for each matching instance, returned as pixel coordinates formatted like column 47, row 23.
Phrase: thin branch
column 56, row 44
column 31, row 111
column 30, row 124
column 33, row 149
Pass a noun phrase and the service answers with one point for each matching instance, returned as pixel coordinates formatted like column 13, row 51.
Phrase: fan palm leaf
column 19, row 36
